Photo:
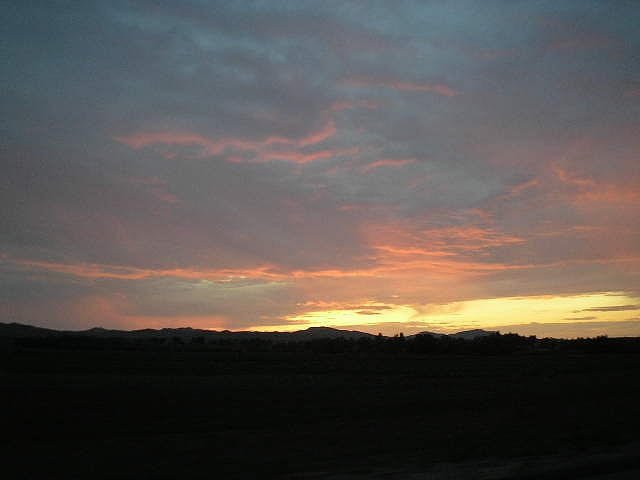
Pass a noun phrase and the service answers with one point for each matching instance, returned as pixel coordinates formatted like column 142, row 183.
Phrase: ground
column 189, row 414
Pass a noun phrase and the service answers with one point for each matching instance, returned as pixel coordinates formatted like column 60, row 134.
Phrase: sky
column 380, row 166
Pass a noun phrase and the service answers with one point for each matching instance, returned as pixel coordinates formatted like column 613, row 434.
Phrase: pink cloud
column 271, row 148
column 404, row 249
column 328, row 131
column 413, row 251
column 568, row 177
column 97, row 270
column 367, row 207
column 297, row 157
column 176, row 138
column 609, row 193
column 388, row 162
column 584, row 190
column 402, row 85
column 390, row 261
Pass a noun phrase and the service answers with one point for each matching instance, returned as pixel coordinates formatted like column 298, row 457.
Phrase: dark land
column 317, row 404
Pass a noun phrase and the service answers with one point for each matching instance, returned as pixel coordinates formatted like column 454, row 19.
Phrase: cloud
column 387, row 162
column 358, row 155
column 88, row 270
column 400, row 85
column 260, row 151
column 612, row 308
column 341, row 105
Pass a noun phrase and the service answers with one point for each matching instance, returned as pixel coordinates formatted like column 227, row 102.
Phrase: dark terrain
column 92, row 407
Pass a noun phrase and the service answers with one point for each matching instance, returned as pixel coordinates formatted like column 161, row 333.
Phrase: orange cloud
column 172, row 138
column 268, row 149
column 96, row 270
column 456, row 268
column 388, row 263
column 299, row 157
column 367, row 207
column 388, row 162
column 470, row 238
column 588, row 190
column 144, row 139
column 328, row 131
column 609, row 193
column 520, row 188
column 456, row 240
column 566, row 176
column 412, row 251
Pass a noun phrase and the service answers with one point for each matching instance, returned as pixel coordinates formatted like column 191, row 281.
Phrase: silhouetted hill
column 18, row 330
column 433, row 334
column 312, row 333
column 472, row 334
column 465, row 334
column 314, row 339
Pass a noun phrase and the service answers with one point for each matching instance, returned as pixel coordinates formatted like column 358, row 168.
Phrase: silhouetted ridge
column 312, row 339
column 17, row 330
column 328, row 332
column 471, row 334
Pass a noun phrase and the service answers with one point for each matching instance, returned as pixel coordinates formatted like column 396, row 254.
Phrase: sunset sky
column 381, row 166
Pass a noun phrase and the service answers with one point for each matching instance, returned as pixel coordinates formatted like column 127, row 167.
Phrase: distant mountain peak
column 327, row 332
column 471, row 334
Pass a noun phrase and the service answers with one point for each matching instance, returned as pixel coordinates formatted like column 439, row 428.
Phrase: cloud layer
column 238, row 165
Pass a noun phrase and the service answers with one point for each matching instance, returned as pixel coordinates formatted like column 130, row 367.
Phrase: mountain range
column 17, row 330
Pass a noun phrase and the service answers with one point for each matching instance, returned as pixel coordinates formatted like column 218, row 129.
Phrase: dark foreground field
column 190, row 414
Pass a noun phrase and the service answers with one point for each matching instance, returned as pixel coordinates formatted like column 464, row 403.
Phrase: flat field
column 190, row 414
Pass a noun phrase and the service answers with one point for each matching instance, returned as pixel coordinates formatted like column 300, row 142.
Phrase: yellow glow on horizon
column 341, row 318
column 489, row 313
column 497, row 312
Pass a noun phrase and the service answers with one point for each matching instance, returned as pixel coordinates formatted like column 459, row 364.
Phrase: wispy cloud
column 237, row 149
column 401, row 85
column 387, row 162
column 612, row 308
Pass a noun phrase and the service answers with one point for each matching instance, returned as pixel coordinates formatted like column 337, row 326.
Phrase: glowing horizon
column 518, row 314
